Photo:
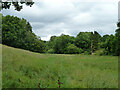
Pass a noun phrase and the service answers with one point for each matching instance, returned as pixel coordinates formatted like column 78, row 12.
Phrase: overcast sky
column 56, row 17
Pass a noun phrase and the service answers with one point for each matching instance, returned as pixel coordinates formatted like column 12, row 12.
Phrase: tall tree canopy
column 111, row 43
column 83, row 40
column 61, row 43
column 0, row 28
column 95, row 41
column 17, row 32
column 118, row 39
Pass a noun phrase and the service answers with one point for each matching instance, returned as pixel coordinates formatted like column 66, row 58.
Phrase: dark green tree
column 112, row 43
column 83, row 41
column 18, row 33
column 0, row 28
column 72, row 49
column 18, row 5
column 61, row 43
column 104, row 40
column 118, row 39
column 95, row 41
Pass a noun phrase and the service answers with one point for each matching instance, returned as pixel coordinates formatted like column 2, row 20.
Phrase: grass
column 27, row 69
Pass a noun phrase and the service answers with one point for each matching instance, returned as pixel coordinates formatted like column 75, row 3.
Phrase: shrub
column 50, row 51
column 80, row 50
column 87, row 52
column 72, row 49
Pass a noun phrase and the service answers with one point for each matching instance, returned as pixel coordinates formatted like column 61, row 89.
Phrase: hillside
column 23, row 68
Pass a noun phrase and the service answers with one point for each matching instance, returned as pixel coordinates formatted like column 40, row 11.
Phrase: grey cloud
column 69, row 18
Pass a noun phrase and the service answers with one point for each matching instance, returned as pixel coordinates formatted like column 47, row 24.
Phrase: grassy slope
column 26, row 69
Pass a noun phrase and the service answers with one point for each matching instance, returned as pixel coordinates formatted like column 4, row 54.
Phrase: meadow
column 25, row 69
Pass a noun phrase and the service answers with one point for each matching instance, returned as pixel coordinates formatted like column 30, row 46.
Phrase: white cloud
column 46, row 37
column 83, row 18
column 54, row 17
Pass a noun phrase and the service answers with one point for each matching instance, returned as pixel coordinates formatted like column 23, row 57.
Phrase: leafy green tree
column 83, row 40
column 104, row 40
column 111, row 43
column 95, row 41
column 17, row 4
column 52, row 42
column 61, row 42
column 72, row 49
column 18, row 33
column 118, row 39
column 38, row 46
column 0, row 28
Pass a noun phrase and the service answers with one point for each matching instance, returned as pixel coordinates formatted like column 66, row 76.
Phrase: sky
column 56, row 17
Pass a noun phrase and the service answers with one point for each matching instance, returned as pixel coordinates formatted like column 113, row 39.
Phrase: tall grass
column 27, row 69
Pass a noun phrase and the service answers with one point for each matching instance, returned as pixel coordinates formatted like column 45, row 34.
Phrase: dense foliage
column 118, row 39
column 83, row 41
column 16, row 3
column 0, row 28
column 17, row 32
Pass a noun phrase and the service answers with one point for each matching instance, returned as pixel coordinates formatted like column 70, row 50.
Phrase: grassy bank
column 27, row 69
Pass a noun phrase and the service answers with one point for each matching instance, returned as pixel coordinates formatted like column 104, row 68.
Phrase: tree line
column 17, row 32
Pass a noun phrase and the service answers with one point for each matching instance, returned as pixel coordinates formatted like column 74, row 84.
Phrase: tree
column 18, row 33
column 61, row 42
column 83, row 41
column 118, row 39
column 52, row 42
column 103, row 40
column 17, row 5
column 112, row 43
column 95, row 41
column 0, row 28
column 72, row 49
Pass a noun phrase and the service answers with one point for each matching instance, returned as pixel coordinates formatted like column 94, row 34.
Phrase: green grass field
column 27, row 69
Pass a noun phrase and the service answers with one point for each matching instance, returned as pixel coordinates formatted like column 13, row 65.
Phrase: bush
column 50, row 51
column 99, row 52
column 80, row 50
column 72, row 49
column 87, row 52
